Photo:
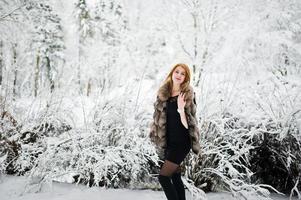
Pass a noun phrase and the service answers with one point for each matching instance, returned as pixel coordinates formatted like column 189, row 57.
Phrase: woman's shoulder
column 163, row 93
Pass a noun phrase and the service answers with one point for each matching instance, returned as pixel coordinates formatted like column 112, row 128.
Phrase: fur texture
column 158, row 126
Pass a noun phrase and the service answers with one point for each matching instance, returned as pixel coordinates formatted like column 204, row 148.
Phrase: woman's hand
column 181, row 101
column 181, row 104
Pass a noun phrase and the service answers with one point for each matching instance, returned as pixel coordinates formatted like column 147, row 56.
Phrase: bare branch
column 11, row 12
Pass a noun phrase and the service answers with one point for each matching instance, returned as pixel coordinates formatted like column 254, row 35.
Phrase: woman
column 174, row 129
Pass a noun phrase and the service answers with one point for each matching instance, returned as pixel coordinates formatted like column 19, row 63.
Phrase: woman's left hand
column 181, row 101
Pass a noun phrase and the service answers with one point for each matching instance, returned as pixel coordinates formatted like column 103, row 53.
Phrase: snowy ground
column 11, row 188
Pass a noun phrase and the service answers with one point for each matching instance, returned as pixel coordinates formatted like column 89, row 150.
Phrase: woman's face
column 178, row 75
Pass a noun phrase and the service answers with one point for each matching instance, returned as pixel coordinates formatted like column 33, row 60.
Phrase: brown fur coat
column 158, row 126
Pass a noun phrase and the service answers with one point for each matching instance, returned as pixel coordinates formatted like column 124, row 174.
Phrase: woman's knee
column 168, row 168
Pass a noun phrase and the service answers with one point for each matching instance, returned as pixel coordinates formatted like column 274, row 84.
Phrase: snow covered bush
column 255, row 144
column 23, row 135
column 277, row 161
column 9, row 147
column 9, row 151
column 111, row 151
column 63, row 119
column 224, row 161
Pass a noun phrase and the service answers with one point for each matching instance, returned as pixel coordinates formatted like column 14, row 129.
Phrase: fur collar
column 164, row 94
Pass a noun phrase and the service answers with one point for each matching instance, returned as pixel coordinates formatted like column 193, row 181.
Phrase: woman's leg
column 178, row 184
column 166, row 172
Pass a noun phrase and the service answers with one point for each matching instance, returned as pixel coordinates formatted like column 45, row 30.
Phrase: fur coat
column 158, row 125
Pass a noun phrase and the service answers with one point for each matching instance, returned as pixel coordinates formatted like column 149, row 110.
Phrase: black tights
column 171, row 182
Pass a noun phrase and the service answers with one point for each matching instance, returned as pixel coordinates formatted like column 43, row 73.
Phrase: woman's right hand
column 181, row 101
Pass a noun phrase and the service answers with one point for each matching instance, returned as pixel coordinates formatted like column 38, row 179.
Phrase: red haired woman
column 174, row 130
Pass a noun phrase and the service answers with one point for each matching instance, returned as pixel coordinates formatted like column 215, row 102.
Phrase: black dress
column 178, row 139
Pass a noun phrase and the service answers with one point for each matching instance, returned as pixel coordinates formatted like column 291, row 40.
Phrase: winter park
column 153, row 100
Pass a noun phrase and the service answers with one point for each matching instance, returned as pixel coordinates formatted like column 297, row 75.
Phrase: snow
column 244, row 72
column 12, row 187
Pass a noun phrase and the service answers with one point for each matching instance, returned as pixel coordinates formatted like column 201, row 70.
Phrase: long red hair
column 185, row 85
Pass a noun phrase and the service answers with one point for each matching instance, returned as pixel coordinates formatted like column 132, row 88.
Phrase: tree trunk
column 36, row 74
column 14, row 46
column 204, row 57
column 89, row 87
column 48, row 67
column 80, row 42
column 1, row 61
column 78, row 76
column 195, row 50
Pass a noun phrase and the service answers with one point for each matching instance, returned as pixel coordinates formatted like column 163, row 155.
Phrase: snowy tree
column 10, row 17
column 4, row 7
column 84, row 24
column 47, row 43
column 245, row 58
column 110, row 20
column 33, row 29
column 205, row 20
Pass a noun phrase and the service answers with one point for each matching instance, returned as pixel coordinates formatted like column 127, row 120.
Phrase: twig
column 295, row 189
column 11, row 12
